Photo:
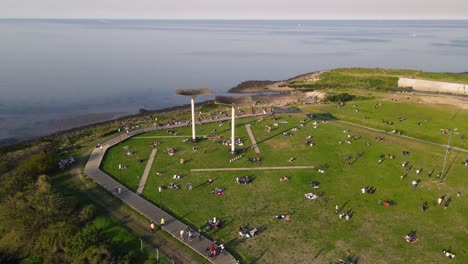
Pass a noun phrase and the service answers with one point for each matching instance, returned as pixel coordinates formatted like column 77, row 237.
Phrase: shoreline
column 254, row 86
column 11, row 142
column 266, row 93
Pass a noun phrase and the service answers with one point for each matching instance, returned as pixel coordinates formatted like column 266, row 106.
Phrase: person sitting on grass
column 173, row 186
column 284, row 179
column 311, row 196
column 217, row 191
column 448, row 254
column 243, row 180
column 285, row 217
column 209, row 181
column 213, row 224
column 315, row 185
column 424, row 206
column 411, row 237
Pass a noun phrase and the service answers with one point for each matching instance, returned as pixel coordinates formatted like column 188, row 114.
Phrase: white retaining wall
column 433, row 86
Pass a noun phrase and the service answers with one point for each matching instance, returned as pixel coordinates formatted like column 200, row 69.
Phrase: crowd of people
column 66, row 162
column 214, row 223
column 217, row 191
column 243, row 180
column 246, row 232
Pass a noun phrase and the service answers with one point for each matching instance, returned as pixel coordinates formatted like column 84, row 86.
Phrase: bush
column 87, row 213
column 343, row 97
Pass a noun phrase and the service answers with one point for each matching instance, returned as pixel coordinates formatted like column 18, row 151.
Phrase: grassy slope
column 111, row 228
column 375, row 232
column 380, row 79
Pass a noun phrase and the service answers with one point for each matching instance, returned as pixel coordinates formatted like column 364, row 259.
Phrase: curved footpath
column 144, row 207
column 154, row 213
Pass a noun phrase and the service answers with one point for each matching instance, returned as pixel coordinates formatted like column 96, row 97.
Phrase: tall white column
column 233, row 126
column 193, row 118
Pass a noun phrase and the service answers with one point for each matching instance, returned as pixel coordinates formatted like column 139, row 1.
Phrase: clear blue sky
column 236, row 9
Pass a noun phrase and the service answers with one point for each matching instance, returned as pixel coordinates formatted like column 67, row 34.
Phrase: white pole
column 233, row 126
column 193, row 118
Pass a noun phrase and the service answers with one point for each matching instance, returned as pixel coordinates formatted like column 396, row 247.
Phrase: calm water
column 55, row 72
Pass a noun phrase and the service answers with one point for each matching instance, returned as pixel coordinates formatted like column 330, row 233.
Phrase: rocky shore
column 274, row 86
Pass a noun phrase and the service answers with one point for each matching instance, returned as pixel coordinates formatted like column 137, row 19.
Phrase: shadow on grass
column 277, row 134
column 344, row 206
column 257, row 258
column 318, row 253
column 449, row 166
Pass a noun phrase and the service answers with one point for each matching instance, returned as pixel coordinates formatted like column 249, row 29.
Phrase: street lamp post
column 442, row 174
column 192, row 93
column 233, row 101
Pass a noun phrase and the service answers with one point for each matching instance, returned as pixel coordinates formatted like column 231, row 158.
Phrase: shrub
column 343, row 97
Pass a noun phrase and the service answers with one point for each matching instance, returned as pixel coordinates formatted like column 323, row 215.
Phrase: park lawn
column 432, row 117
column 375, row 233
column 130, row 176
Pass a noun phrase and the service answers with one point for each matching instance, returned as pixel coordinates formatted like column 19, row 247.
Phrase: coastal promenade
column 172, row 225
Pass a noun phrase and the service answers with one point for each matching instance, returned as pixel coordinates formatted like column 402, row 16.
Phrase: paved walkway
column 141, row 186
column 147, row 209
column 186, row 136
column 139, row 227
column 144, row 207
column 256, row 168
column 252, row 139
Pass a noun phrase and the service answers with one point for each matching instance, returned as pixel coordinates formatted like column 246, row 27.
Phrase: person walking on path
column 213, row 250
column 163, row 222
column 189, row 186
column 152, row 227
column 199, row 234
column 119, row 190
column 182, row 234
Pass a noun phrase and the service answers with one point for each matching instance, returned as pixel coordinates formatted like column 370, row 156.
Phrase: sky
column 236, row 9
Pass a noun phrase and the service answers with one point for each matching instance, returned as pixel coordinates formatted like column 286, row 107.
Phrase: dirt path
column 133, row 224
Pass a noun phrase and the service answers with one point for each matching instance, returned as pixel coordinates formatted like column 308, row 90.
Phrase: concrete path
column 146, row 172
column 252, row 139
column 144, row 207
column 257, row 168
column 138, row 226
column 186, row 136
column 402, row 136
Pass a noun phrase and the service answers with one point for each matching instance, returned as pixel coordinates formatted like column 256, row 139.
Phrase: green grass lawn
column 421, row 120
column 121, row 238
column 379, row 79
column 316, row 234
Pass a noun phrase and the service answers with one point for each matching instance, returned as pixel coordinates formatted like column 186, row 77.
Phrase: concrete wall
column 433, row 86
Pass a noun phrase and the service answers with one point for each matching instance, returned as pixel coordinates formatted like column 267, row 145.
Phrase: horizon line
column 227, row 19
